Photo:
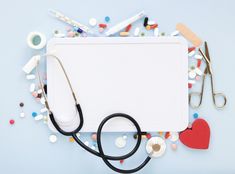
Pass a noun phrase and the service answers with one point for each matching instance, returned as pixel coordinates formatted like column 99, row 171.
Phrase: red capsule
column 190, row 85
column 167, row 135
column 128, row 28
column 191, row 49
column 102, row 25
column 153, row 26
column 148, row 135
column 199, row 63
column 121, row 161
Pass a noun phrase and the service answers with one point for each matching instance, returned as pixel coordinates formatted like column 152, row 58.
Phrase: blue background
column 24, row 147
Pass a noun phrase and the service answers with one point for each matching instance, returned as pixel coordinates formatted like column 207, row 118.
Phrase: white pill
column 59, row 35
column 92, row 22
column 175, row 33
column 137, row 31
column 124, row 137
column 32, row 87
column 192, row 74
column 191, row 81
column 120, row 142
column 198, row 56
column 156, row 32
column 43, row 110
column 38, row 117
column 42, row 100
column 31, row 64
column 22, row 115
column 151, row 22
column 190, row 54
column 174, row 136
column 52, row 138
column 30, row 77
column 45, row 118
column 198, row 71
column 86, row 143
column 39, row 91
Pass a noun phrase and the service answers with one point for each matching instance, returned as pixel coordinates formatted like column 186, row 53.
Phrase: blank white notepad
column 145, row 77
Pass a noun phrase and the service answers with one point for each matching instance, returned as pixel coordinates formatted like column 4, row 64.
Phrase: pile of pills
column 156, row 145
column 194, row 72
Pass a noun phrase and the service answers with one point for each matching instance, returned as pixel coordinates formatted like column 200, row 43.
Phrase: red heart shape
column 197, row 137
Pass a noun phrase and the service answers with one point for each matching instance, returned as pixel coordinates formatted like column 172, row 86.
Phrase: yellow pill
column 148, row 27
column 71, row 139
column 124, row 33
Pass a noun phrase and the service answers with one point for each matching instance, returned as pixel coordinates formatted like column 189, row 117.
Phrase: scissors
column 215, row 96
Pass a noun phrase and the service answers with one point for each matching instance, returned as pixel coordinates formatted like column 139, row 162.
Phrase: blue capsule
column 79, row 30
column 195, row 115
column 34, row 114
column 107, row 19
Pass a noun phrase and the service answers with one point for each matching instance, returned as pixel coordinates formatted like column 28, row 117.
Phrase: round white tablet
column 92, row 22
column 192, row 74
column 52, row 138
column 155, row 147
column 22, row 114
column 120, row 142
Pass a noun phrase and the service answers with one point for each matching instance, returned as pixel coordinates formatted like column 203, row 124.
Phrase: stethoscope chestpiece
column 155, row 147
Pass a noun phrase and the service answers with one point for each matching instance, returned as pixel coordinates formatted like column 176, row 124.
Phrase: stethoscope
column 73, row 133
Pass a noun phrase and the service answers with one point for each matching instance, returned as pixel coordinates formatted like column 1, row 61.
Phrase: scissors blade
column 207, row 52
column 208, row 63
column 208, row 57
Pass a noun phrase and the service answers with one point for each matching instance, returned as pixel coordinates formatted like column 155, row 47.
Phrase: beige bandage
column 189, row 35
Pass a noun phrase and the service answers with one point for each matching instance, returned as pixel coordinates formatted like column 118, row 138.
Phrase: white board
column 145, row 77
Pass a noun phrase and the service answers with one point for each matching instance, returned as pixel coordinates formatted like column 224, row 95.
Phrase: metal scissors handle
column 215, row 96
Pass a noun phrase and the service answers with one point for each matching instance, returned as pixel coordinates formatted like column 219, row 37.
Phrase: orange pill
column 148, row 27
column 71, row 139
column 167, row 135
column 124, row 34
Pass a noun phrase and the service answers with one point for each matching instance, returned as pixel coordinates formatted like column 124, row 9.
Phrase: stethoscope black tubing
column 101, row 154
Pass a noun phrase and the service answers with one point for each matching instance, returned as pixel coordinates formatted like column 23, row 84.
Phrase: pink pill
column 35, row 94
column 12, row 121
column 197, row 77
column 94, row 137
column 174, row 147
column 101, row 30
column 70, row 34
column 189, row 125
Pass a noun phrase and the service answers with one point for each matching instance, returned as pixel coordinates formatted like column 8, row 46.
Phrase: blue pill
column 195, row 115
column 107, row 19
column 79, row 30
column 34, row 114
